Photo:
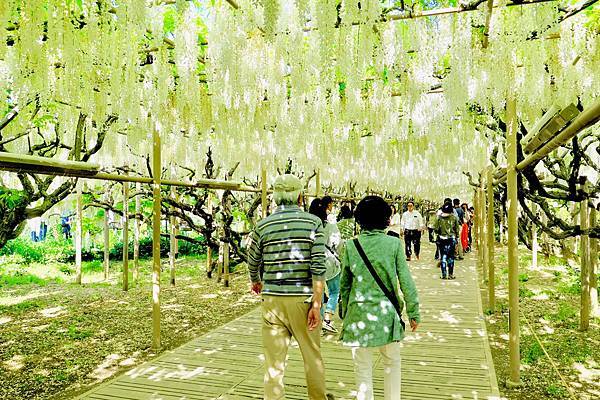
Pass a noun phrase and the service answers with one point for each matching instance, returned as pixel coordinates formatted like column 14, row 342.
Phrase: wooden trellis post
column 595, row 309
column 106, row 246
column 78, row 234
column 534, row 240
column 208, row 259
column 220, row 262
column 172, row 241
column 156, row 178
column 481, row 229
column 490, row 240
column 584, row 218
column 263, row 187
column 513, row 250
column 125, row 236
column 318, row 184
column 136, row 234
column 226, row 264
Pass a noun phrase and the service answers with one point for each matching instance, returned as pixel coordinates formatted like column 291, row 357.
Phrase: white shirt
column 395, row 224
column 412, row 220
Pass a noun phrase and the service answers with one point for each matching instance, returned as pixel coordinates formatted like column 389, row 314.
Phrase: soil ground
column 59, row 339
column 549, row 306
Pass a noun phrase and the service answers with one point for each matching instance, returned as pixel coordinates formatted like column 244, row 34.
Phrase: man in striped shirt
column 286, row 260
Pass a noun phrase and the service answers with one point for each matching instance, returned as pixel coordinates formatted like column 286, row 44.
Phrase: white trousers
column 363, row 367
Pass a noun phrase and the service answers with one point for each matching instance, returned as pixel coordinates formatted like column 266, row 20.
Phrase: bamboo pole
column 534, row 240
column 594, row 308
column 490, row 241
column 125, row 236
column 226, row 264
column 584, row 218
column 78, row 234
column 513, row 251
column 488, row 19
column 263, row 186
column 172, row 243
column 106, row 246
column 156, row 168
column 136, row 234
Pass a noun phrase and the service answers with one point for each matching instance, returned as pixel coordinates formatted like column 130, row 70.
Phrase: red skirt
column 464, row 236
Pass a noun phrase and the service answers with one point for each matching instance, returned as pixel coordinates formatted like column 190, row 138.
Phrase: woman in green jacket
column 371, row 321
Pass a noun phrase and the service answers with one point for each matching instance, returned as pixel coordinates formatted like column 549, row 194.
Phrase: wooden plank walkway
column 447, row 358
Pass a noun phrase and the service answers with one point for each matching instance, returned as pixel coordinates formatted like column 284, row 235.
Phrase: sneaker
column 451, row 277
column 443, row 277
column 408, row 258
column 328, row 326
column 417, row 258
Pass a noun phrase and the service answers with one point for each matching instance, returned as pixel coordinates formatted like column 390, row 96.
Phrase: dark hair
column 316, row 208
column 447, row 200
column 410, row 202
column 456, row 202
column 326, row 201
column 373, row 212
column 345, row 213
column 447, row 208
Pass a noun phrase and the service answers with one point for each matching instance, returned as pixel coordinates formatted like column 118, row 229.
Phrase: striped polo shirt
column 287, row 251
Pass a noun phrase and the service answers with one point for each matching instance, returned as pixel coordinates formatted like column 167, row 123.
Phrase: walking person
column 346, row 223
column 431, row 216
column 412, row 223
column 447, row 229
column 461, row 217
column 286, row 261
column 319, row 208
column 395, row 228
column 373, row 268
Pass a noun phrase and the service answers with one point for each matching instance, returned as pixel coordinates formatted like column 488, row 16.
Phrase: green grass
column 21, row 279
column 21, row 307
column 532, row 353
column 76, row 333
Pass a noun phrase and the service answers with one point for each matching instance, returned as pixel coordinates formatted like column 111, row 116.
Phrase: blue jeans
column 447, row 247
column 333, row 289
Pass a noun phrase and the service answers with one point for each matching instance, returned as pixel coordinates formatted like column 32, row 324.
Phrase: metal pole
column 156, row 170
column 78, row 234
column 490, row 240
column 513, row 251
column 263, row 187
column 125, row 236
column 584, row 217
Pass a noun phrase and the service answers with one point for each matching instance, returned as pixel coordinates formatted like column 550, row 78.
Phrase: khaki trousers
column 285, row 317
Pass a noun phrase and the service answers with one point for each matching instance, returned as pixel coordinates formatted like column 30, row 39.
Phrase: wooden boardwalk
column 447, row 358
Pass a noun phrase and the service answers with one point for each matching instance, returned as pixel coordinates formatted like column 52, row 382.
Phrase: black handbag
column 388, row 293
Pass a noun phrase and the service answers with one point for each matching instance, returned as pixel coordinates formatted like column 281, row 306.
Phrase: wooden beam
column 106, row 246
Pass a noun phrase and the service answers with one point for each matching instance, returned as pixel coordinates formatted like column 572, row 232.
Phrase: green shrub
column 565, row 312
column 523, row 277
column 572, row 287
column 92, row 266
column 78, row 334
column 556, row 391
column 30, row 251
column 524, row 292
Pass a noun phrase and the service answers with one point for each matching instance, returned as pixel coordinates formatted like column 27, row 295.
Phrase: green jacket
column 447, row 225
column 370, row 319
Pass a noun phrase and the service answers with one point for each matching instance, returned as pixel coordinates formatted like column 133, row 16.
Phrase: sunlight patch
column 5, row 320
column 53, row 312
column 15, row 363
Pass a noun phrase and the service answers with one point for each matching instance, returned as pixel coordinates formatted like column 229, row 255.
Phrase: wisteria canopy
column 355, row 89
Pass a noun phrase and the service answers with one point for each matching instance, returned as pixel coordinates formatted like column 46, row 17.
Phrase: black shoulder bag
column 388, row 293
